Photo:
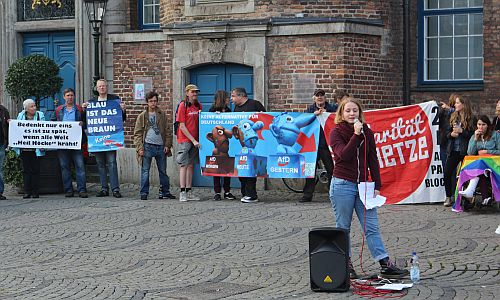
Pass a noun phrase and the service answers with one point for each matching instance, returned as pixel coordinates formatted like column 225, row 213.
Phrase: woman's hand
column 376, row 193
column 357, row 127
column 482, row 152
column 84, row 105
column 477, row 134
column 454, row 134
column 196, row 144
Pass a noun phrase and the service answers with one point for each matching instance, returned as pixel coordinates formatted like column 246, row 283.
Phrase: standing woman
column 354, row 152
column 221, row 102
column 29, row 156
column 496, row 123
column 462, row 126
column 445, row 111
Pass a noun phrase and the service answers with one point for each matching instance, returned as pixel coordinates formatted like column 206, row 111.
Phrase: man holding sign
column 71, row 112
column 105, row 116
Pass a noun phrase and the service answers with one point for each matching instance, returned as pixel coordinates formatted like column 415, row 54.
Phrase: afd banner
column 45, row 134
column 272, row 144
column 104, row 125
column 407, row 150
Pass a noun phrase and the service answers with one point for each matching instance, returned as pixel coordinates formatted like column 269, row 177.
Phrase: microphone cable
column 367, row 288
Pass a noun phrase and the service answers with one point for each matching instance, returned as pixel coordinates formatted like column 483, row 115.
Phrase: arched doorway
column 214, row 77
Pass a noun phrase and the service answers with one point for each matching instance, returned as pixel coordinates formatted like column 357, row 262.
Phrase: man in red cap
column 188, row 140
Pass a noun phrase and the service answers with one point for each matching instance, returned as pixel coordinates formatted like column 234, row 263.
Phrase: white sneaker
column 248, row 199
column 192, row 197
column 183, row 197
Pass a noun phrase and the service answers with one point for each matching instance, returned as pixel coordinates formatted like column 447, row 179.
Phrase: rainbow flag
column 476, row 165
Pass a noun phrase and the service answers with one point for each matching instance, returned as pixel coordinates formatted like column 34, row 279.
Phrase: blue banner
column 271, row 144
column 104, row 125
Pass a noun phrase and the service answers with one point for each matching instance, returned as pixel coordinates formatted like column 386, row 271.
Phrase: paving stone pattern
column 106, row 248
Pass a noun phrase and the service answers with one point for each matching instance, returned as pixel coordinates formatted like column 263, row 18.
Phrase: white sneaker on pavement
column 183, row 197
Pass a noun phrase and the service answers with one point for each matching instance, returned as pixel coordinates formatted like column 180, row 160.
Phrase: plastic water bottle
column 414, row 268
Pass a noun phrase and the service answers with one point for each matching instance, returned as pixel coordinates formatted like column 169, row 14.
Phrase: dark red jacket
column 349, row 154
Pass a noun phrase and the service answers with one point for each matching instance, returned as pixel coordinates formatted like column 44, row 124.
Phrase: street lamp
column 95, row 12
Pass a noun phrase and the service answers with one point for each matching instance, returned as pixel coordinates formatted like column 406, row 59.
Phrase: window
column 149, row 14
column 450, row 41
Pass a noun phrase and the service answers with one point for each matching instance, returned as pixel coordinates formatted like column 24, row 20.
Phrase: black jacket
column 329, row 108
column 464, row 137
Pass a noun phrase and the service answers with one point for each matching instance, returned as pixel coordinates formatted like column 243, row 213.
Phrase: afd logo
column 243, row 160
column 283, row 160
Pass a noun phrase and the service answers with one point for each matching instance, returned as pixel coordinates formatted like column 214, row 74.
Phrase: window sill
column 448, row 87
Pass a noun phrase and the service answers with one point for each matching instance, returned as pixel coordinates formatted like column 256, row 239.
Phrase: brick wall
column 174, row 10
column 483, row 101
column 152, row 59
column 351, row 62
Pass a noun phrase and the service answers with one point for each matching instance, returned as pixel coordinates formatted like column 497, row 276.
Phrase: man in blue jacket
column 318, row 107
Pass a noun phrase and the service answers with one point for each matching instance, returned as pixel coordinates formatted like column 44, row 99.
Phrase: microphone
column 356, row 121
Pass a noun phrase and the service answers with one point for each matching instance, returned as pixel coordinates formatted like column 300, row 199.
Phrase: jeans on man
column 345, row 198
column 160, row 157
column 2, row 158
column 106, row 163
column 66, row 156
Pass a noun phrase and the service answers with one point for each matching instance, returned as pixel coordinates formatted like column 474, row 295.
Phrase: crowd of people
column 348, row 161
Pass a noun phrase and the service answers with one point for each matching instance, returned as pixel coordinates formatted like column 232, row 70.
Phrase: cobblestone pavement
column 99, row 248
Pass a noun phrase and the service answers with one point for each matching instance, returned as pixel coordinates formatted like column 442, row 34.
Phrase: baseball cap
column 319, row 91
column 192, row 87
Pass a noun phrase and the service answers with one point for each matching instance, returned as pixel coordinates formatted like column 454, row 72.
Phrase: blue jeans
column 66, row 156
column 2, row 158
column 345, row 198
column 106, row 163
column 157, row 152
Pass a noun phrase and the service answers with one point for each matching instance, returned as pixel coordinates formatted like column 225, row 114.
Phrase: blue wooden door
column 210, row 79
column 60, row 47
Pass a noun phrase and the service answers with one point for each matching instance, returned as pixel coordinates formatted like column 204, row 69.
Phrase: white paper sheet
column 395, row 286
column 368, row 189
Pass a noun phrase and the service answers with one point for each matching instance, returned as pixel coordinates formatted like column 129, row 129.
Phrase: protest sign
column 407, row 150
column 272, row 144
column 45, row 134
column 104, row 125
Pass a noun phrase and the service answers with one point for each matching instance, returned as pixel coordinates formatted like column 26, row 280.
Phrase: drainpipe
column 406, row 52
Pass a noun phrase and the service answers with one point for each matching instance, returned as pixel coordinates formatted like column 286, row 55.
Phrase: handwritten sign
column 45, row 134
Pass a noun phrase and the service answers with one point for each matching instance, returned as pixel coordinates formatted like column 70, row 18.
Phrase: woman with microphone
column 354, row 152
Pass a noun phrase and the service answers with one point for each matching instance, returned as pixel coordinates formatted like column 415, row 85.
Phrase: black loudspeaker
column 328, row 259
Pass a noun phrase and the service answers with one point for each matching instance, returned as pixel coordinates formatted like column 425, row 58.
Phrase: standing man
column 188, row 140
column 74, row 113
column 318, row 107
column 106, row 160
column 243, row 104
column 153, row 139
column 4, row 142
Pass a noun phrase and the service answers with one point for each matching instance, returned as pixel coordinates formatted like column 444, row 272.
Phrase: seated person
column 484, row 141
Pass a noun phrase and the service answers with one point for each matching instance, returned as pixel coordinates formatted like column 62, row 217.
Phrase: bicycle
column 297, row 184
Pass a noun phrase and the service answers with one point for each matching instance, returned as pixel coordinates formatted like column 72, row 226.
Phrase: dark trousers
column 326, row 157
column 450, row 171
column 248, row 186
column 31, row 172
column 484, row 186
column 217, row 185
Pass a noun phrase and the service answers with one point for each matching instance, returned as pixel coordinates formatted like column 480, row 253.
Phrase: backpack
column 176, row 124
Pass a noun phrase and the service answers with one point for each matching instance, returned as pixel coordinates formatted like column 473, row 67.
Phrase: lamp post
column 95, row 13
